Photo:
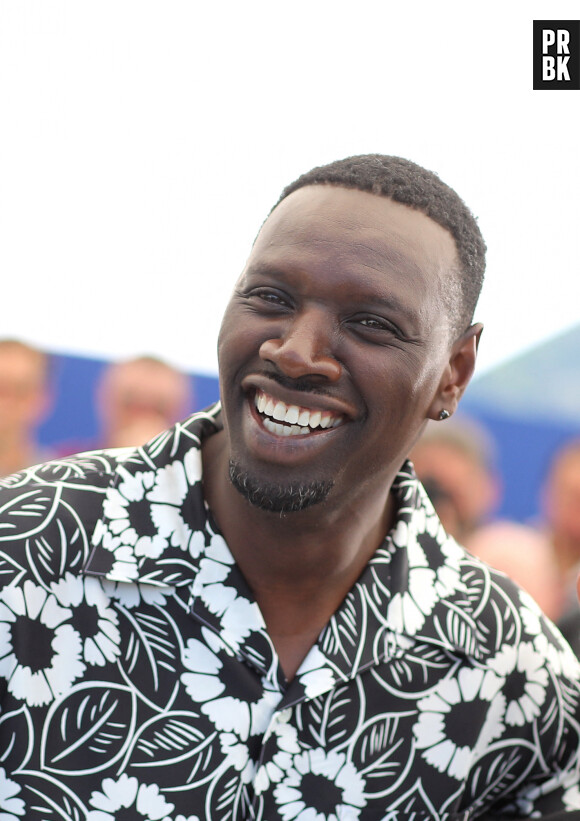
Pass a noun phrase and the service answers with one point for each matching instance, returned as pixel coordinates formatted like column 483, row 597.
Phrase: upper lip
column 306, row 399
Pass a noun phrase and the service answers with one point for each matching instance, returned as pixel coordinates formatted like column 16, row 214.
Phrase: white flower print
column 407, row 610
column 528, row 674
column 315, row 674
column 131, row 595
column 238, row 616
column 320, row 786
column 271, row 772
column 236, row 754
column 100, row 635
column 126, row 504
column 10, row 806
column 39, row 652
column 168, row 497
column 571, row 798
column 126, row 793
column 444, row 730
column 205, row 686
column 123, row 562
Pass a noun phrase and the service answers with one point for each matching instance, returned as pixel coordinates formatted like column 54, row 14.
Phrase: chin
column 276, row 497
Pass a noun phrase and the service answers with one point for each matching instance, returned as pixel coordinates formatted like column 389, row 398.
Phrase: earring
column 444, row 415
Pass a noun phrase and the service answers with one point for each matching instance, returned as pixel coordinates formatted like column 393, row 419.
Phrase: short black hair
column 409, row 184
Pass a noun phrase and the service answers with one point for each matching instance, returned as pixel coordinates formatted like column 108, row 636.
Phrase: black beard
column 278, row 498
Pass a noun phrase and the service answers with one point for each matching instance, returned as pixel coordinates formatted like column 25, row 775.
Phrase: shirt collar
column 156, row 529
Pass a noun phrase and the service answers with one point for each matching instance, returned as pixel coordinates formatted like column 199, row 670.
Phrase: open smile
column 293, row 420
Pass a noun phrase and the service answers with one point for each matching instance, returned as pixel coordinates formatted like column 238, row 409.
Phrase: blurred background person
column 560, row 503
column 139, row 398
column 561, row 508
column 455, row 460
column 25, row 399
column 525, row 555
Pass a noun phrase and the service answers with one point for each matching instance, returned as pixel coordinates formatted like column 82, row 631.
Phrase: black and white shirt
column 139, row 681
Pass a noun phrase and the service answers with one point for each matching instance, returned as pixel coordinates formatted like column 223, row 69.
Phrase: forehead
column 355, row 226
column 21, row 363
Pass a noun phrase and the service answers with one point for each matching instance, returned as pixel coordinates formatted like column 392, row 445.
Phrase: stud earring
column 444, row 415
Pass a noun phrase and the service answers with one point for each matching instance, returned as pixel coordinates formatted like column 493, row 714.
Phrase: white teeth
column 315, row 419
column 292, row 414
column 279, row 411
column 274, row 427
column 299, row 422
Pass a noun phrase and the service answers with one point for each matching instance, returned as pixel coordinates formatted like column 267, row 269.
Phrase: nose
column 304, row 348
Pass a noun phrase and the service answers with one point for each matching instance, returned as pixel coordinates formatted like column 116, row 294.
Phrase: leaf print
column 415, row 671
column 76, row 469
column 89, row 729
column 150, row 652
column 10, row 571
column 27, row 512
column 16, row 739
column 494, row 606
column 176, row 750
column 498, row 770
column 330, row 720
column 382, row 750
column 48, row 799
column 227, row 798
column 416, row 804
column 342, row 637
column 63, row 544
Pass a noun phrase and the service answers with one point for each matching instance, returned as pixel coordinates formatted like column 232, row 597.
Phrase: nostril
column 296, row 359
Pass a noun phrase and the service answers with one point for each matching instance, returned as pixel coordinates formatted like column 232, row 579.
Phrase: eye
column 375, row 325
column 268, row 298
column 371, row 322
column 273, row 297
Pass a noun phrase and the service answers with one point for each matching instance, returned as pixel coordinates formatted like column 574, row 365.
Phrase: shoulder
column 48, row 513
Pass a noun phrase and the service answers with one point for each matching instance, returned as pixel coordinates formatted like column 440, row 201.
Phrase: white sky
column 142, row 143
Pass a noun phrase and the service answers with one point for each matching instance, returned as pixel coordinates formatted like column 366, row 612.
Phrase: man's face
column 333, row 346
column 563, row 498
column 136, row 391
column 23, row 390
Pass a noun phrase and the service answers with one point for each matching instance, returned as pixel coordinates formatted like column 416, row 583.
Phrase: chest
column 169, row 715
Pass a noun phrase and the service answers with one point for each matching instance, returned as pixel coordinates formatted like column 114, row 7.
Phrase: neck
column 301, row 565
column 16, row 452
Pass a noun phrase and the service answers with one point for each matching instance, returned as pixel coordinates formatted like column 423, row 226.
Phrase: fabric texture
column 139, row 680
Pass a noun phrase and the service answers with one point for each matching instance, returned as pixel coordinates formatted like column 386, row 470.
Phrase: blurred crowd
column 134, row 401
column 456, row 461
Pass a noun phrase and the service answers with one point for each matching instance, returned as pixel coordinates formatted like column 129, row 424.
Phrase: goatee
column 277, row 498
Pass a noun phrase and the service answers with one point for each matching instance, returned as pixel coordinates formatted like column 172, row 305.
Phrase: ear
column 457, row 373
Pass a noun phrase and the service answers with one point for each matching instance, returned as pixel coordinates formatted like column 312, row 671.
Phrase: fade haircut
column 409, row 184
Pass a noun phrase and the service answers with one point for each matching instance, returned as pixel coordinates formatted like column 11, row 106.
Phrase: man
column 24, row 403
column 454, row 462
column 561, row 508
column 259, row 616
column 139, row 398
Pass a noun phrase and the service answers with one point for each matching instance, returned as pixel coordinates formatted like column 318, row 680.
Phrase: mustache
column 303, row 384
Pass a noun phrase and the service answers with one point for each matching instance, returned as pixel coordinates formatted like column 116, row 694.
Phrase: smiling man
column 258, row 614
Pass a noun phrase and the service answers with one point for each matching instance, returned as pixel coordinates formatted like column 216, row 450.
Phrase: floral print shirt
column 139, row 681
